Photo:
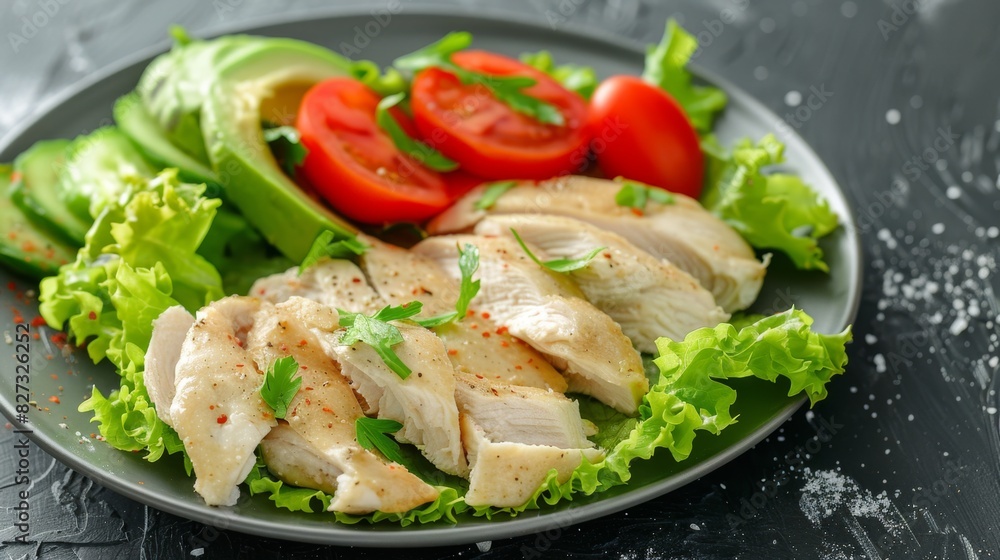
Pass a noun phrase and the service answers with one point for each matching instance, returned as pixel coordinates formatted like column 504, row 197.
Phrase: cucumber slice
column 35, row 190
column 100, row 167
column 133, row 119
column 23, row 247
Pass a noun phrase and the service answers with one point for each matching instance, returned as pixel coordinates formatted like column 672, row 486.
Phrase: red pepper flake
column 222, row 419
column 54, row 399
column 474, row 326
column 486, row 314
column 58, row 338
column 28, row 247
column 54, row 377
column 12, row 286
column 309, row 388
column 37, row 322
column 470, row 313
column 211, row 407
column 327, row 409
column 504, row 343
column 356, row 280
column 239, row 365
column 502, row 330
column 636, row 211
column 18, row 318
column 36, row 336
column 452, row 352
column 518, row 367
column 92, row 316
column 303, row 342
column 308, row 402
column 486, row 334
column 607, row 255
column 530, row 360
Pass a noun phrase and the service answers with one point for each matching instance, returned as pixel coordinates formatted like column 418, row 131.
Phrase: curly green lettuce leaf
column 666, row 67
column 581, row 79
column 771, row 211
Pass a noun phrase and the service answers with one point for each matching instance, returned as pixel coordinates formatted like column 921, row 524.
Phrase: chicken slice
column 546, row 310
column 336, row 283
column 647, row 296
column 521, row 414
column 476, row 344
column 217, row 409
column 424, row 402
column 506, row 474
column 683, row 232
column 322, row 417
column 169, row 331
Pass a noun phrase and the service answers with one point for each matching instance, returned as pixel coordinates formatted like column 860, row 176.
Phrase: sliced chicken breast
column 322, row 418
column 476, row 344
column 683, row 233
column 424, row 402
column 336, row 283
column 506, row 474
column 647, row 296
column 217, row 409
column 169, row 331
column 521, row 414
column 546, row 310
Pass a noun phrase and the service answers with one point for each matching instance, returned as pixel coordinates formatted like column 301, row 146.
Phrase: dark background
column 901, row 101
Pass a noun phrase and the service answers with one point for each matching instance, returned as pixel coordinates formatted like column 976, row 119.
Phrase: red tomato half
column 639, row 132
column 355, row 166
column 488, row 138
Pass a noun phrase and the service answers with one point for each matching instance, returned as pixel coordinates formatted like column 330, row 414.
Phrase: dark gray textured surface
column 911, row 472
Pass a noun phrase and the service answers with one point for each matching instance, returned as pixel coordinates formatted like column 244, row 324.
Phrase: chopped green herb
column 280, row 385
column 635, row 195
column 507, row 89
column 383, row 83
column 286, row 145
column 468, row 263
column 325, row 246
column 372, row 433
column 416, row 149
column 492, row 193
column 581, row 79
column 559, row 265
column 375, row 331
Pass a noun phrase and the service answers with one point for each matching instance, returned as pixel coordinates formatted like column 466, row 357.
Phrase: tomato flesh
column 467, row 123
column 640, row 133
column 355, row 166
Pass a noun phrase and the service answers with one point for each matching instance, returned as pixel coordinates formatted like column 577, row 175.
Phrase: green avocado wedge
column 266, row 83
column 28, row 250
column 35, row 190
column 133, row 119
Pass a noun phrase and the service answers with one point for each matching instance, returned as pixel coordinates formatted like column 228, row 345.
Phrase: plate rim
column 459, row 533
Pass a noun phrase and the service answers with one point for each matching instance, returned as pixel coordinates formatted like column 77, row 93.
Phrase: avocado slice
column 24, row 248
column 35, row 190
column 266, row 82
column 133, row 119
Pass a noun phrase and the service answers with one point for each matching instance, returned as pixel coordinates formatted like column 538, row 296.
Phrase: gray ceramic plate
column 831, row 299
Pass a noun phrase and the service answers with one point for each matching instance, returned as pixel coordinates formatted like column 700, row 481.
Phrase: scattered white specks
column 484, row 546
column 63, row 426
column 826, row 491
column 993, row 232
column 695, row 527
column 870, row 338
column 958, row 326
column 886, row 236
column 937, row 228
column 849, row 9
column 767, row 25
column 7, row 338
column 953, row 192
column 760, row 73
column 887, row 451
column 879, row 363
column 197, row 552
column 994, row 361
column 991, row 410
column 967, row 176
column 892, row 116
column 910, row 418
column 793, row 98
column 916, row 102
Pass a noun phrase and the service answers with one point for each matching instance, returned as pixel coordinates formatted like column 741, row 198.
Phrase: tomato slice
column 488, row 138
column 640, row 133
column 355, row 166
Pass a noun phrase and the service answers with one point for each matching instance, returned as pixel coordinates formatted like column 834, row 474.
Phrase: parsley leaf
column 375, row 331
column 286, row 145
column 493, row 193
column 416, row 149
column 507, row 89
column 325, row 246
column 580, row 79
column 372, row 434
column 387, row 83
column 666, row 67
column 635, row 195
column 280, row 385
column 558, row 265
column 468, row 263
